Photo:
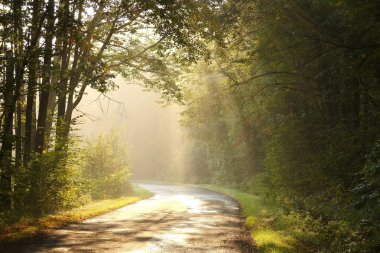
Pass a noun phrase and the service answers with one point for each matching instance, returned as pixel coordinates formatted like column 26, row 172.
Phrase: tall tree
column 46, row 78
column 33, row 64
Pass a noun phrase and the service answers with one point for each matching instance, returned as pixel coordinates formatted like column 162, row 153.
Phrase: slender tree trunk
column 32, row 83
column 62, row 88
column 19, row 132
column 52, row 102
column 46, row 75
column 7, row 137
column 18, row 189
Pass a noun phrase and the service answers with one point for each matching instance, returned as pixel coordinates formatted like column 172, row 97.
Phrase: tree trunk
column 52, row 102
column 62, row 88
column 7, row 137
column 14, row 75
column 32, row 83
column 19, row 131
column 46, row 75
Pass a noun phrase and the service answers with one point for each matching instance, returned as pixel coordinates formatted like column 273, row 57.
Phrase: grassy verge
column 29, row 227
column 272, row 231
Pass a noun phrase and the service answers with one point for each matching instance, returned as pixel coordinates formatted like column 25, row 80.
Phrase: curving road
column 177, row 219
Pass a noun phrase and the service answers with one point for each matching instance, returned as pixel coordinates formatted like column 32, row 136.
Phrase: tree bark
column 46, row 75
column 32, row 83
column 19, row 131
column 63, row 79
column 7, row 136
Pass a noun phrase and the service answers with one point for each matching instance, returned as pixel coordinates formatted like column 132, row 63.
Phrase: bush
column 105, row 167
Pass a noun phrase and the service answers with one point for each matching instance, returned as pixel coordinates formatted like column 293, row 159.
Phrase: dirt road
column 177, row 219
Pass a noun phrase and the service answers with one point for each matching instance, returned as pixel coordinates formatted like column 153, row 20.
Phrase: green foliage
column 48, row 184
column 55, row 50
column 272, row 230
column 287, row 108
column 105, row 166
column 60, row 180
column 285, row 105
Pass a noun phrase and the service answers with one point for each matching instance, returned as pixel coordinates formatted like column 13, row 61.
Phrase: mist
column 152, row 129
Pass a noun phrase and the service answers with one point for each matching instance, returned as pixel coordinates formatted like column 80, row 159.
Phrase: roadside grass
column 29, row 227
column 272, row 231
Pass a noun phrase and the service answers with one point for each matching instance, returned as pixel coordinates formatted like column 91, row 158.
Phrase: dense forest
column 281, row 99
column 288, row 107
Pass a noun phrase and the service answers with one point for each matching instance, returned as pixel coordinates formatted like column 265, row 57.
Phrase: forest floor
column 176, row 219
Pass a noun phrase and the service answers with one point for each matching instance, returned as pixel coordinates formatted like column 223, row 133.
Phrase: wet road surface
column 176, row 219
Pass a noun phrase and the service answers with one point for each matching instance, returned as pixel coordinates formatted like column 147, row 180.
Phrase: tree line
column 287, row 107
column 52, row 51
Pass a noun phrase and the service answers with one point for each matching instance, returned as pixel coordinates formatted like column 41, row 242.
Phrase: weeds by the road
column 271, row 230
column 29, row 227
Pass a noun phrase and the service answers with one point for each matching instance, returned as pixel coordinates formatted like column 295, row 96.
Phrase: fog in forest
column 152, row 128
column 280, row 110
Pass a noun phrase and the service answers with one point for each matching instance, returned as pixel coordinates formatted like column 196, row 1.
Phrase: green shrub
column 105, row 166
